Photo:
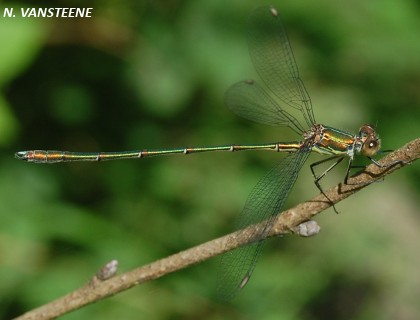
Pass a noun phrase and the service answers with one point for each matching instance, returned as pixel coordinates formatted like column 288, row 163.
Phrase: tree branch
column 287, row 222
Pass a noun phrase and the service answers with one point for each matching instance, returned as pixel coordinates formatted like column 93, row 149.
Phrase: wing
column 263, row 204
column 248, row 100
column 273, row 59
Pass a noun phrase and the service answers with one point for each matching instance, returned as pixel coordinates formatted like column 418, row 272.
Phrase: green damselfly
column 273, row 59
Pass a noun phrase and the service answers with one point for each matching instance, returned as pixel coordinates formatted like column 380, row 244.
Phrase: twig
column 287, row 222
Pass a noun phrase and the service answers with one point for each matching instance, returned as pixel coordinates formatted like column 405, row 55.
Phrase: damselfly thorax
column 330, row 141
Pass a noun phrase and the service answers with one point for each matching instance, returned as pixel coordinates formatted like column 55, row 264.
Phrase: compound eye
column 371, row 147
column 366, row 131
column 372, row 144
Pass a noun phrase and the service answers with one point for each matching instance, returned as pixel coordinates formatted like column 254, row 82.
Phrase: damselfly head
column 370, row 141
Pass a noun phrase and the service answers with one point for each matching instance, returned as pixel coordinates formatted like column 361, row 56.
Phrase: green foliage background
column 149, row 74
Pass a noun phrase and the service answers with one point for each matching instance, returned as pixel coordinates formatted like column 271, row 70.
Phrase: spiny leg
column 393, row 163
column 375, row 162
column 349, row 167
column 389, row 165
column 318, row 178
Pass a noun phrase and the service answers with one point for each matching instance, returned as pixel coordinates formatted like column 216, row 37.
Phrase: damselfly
column 273, row 59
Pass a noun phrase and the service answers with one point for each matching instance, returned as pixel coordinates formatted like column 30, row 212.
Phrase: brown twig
column 287, row 222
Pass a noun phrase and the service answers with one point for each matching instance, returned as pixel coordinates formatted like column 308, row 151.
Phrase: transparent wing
column 273, row 59
column 248, row 100
column 265, row 201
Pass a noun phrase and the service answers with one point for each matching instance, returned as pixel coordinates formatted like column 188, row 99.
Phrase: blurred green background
column 150, row 74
